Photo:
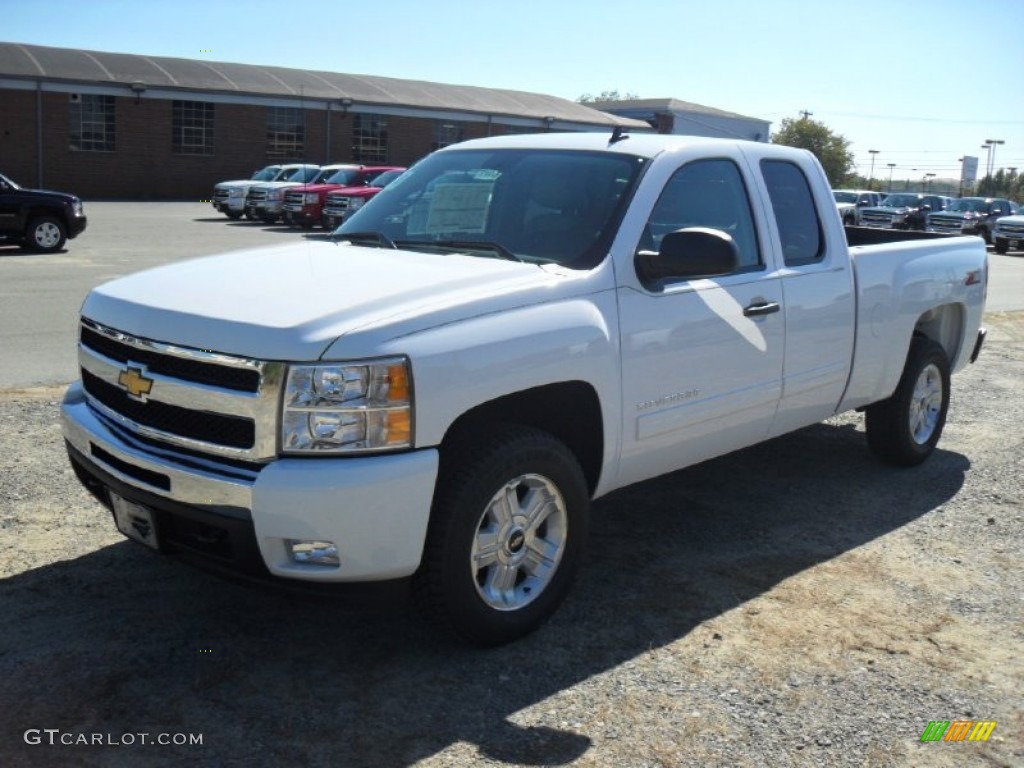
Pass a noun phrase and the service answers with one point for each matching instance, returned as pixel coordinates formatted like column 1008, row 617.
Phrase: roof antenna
column 618, row 134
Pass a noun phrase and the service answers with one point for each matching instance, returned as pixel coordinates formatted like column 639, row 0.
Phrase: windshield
column 540, row 206
column 845, row 197
column 9, row 182
column 901, row 201
column 969, row 204
column 301, row 175
column 267, row 174
column 385, row 178
column 345, row 176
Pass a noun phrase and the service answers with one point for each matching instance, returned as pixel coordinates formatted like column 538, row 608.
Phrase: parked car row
column 303, row 195
column 977, row 216
column 851, row 202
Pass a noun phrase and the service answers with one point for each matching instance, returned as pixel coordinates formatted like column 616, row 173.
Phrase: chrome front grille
column 1012, row 230
column 216, row 404
column 337, row 204
column 256, row 195
column 293, row 198
column 221, row 195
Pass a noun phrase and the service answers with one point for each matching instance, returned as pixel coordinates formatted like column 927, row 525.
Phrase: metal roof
column 667, row 105
column 68, row 65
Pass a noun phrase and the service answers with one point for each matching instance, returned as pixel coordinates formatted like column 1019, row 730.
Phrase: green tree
column 831, row 149
column 589, row 98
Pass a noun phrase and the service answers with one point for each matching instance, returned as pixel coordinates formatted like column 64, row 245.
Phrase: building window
column 370, row 139
column 445, row 134
column 192, row 127
column 516, row 130
column 286, row 133
column 92, row 123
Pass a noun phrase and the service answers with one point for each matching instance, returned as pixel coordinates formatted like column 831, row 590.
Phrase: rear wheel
column 905, row 429
column 507, row 532
column 45, row 234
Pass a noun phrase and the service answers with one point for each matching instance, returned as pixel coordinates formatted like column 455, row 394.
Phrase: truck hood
column 291, row 302
column 62, row 197
column 235, row 183
column 888, row 209
column 332, row 188
column 276, row 184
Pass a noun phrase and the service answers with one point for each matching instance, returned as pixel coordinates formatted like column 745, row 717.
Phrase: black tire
column 45, row 234
column 984, row 234
column 905, row 429
column 233, row 215
column 1002, row 246
column 533, row 470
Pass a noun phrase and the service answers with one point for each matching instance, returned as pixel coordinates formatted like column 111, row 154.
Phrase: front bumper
column 240, row 516
column 77, row 225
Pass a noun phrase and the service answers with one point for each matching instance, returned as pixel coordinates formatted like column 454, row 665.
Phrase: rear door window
column 795, row 214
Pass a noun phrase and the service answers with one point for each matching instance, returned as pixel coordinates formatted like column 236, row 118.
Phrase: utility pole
column 891, row 166
column 805, row 114
column 871, row 175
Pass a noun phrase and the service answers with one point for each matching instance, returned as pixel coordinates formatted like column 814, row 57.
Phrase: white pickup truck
column 515, row 327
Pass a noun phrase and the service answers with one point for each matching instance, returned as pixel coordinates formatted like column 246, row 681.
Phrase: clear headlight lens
column 235, row 192
column 356, row 202
column 311, row 199
column 275, row 194
column 76, row 207
column 348, row 407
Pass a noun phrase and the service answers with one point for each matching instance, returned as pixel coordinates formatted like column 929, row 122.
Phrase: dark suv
column 971, row 216
column 902, row 210
column 37, row 219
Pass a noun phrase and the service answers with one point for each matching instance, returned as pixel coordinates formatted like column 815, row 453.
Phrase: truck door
column 819, row 305
column 701, row 359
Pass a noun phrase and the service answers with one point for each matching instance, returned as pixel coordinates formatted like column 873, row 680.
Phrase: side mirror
column 997, row 211
column 689, row 254
column 926, row 207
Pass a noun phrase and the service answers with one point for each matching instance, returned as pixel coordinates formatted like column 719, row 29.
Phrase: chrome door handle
column 767, row 308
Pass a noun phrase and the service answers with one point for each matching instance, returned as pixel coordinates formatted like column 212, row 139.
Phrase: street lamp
column 871, row 175
column 928, row 182
column 992, row 154
column 891, row 166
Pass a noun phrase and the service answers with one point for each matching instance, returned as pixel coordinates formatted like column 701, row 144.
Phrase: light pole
column 891, row 166
column 928, row 182
column 992, row 154
column 871, row 175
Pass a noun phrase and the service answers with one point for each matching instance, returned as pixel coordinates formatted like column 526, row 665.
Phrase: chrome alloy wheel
column 519, row 542
column 46, row 235
column 926, row 404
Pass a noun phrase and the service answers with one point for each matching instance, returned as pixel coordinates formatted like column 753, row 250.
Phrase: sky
column 923, row 82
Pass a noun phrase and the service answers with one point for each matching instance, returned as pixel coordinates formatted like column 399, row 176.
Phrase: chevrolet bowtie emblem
column 134, row 383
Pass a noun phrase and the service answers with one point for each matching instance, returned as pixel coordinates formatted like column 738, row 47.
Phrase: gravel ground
column 793, row 604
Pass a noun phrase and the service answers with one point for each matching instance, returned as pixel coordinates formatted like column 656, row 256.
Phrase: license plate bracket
column 135, row 521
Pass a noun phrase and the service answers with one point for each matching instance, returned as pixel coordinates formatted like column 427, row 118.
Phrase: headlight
column 275, row 194
column 348, row 407
column 311, row 199
column 235, row 192
column 355, row 203
column 76, row 207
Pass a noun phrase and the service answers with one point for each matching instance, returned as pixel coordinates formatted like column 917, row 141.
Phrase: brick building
column 115, row 125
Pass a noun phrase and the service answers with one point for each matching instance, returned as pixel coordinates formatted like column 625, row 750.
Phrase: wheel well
column 570, row 411
column 945, row 326
column 35, row 213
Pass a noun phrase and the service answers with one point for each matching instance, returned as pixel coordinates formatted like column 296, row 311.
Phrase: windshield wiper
column 465, row 245
column 379, row 237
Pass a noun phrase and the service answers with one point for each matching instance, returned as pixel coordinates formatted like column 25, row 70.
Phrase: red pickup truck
column 303, row 205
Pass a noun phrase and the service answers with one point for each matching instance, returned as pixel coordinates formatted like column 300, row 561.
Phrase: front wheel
column 507, row 532
column 45, row 234
column 233, row 215
column 905, row 429
column 1002, row 246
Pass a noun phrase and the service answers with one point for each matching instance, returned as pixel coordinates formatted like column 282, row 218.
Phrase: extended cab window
column 795, row 214
column 706, row 193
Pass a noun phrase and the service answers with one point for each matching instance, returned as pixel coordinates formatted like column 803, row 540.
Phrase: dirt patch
column 792, row 604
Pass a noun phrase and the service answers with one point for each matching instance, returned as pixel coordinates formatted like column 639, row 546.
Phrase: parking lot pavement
column 40, row 295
